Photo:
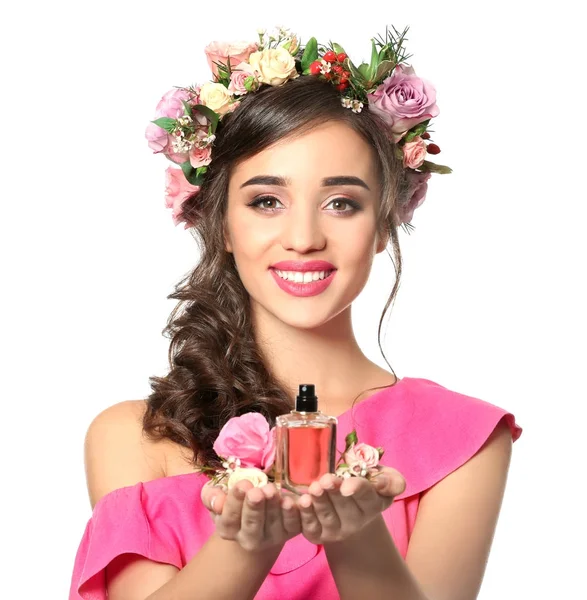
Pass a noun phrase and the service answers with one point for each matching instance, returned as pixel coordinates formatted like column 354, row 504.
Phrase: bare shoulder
column 450, row 545
column 116, row 451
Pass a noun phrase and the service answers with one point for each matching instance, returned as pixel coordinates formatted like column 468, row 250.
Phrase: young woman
column 291, row 173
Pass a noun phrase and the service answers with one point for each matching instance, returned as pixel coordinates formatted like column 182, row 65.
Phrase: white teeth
column 300, row 277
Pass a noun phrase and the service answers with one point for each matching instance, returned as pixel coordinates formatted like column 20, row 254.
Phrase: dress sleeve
column 438, row 430
column 120, row 524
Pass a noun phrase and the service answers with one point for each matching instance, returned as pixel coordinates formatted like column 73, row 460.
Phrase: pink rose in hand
column 404, row 100
column 177, row 190
column 414, row 153
column 417, row 189
column 220, row 51
column 362, row 453
column 249, row 438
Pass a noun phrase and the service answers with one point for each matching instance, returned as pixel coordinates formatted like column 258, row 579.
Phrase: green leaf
column 351, row 438
column 212, row 116
column 194, row 176
column 338, row 48
column 310, row 53
column 381, row 451
column 187, row 108
column 363, row 69
column 430, row 167
column 355, row 73
column 170, row 125
column 383, row 70
column 374, row 62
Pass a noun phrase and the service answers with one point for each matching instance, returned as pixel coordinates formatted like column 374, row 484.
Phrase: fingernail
column 346, row 492
column 212, row 502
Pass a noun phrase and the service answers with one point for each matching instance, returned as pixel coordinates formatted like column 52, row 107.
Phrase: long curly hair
column 217, row 371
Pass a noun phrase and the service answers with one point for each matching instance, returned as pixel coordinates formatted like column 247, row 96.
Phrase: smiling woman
column 290, row 192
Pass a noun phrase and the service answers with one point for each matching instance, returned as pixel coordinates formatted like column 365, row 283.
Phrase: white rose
column 216, row 97
column 255, row 476
column 275, row 66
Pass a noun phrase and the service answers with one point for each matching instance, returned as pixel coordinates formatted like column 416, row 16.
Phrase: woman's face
column 289, row 203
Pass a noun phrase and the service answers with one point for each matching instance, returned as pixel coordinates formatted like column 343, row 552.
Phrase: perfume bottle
column 305, row 443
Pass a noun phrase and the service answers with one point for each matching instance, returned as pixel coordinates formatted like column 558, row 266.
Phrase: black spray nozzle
column 306, row 400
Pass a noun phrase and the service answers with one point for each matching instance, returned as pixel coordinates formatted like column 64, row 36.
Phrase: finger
column 273, row 521
column 389, row 482
column 215, row 501
column 292, row 523
column 253, row 519
column 311, row 527
column 346, row 508
column 363, row 493
column 323, row 506
column 229, row 522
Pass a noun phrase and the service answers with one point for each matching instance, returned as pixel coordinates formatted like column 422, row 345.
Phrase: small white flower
column 324, row 66
column 261, row 31
column 209, row 139
column 346, row 102
column 181, row 146
column 185, row 120
column 358, row 468
column 231, row 463
column 357, row 106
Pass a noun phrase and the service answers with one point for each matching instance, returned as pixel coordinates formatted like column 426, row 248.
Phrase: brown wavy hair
column 217, row 371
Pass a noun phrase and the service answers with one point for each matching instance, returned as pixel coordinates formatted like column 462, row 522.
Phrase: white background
column 493, row 291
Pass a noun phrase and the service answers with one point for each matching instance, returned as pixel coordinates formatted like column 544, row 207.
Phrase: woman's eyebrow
column 285, row 181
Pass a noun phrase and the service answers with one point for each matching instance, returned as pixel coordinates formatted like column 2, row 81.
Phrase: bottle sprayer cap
column 306, row 401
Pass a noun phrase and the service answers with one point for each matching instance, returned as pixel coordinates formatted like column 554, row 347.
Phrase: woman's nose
column 302, row 230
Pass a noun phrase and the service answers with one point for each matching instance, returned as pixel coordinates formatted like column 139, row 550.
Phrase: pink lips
column 303, row 289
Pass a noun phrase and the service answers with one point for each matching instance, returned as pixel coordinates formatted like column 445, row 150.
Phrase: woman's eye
column 262, row 202
column 354, row 206
column 340, row 204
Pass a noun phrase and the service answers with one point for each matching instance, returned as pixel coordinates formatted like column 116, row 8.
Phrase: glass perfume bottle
column 305, row 443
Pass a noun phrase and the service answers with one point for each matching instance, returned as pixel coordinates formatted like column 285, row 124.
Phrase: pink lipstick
column 303, row 286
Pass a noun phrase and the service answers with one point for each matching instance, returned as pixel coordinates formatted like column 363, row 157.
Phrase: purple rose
column 171, row 105
column 417, row 189
column 404, row 100
column 156, row 137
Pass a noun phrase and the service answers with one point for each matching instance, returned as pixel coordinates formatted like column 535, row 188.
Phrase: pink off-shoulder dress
column 427, row 431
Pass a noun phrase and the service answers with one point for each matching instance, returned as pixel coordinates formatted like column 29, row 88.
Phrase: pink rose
column 417, row 189
column 220, row 51
column 414, row 153
column 177, row 190
column 404, row 100
column 171, row 105
column 362, row 453
column 200, row 157
column 249, row 438
column 238, row 77
column 156, row 137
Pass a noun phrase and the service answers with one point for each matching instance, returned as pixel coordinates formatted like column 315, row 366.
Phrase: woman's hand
column 257, row 518
column 336, row 508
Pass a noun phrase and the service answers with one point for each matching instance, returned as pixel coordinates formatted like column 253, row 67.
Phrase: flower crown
column 246, row 447
column 187, row 118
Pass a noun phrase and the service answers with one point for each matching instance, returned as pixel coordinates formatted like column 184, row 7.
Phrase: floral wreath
column 187, row 118
column 246, row 445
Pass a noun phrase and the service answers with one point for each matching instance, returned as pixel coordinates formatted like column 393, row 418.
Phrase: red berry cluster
column 430, row 148
column 337, row 74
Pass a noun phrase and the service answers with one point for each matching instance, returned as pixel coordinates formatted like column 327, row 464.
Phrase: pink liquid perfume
column 306, row 443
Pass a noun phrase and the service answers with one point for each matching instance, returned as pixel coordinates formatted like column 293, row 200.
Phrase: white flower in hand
column 255, row 476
